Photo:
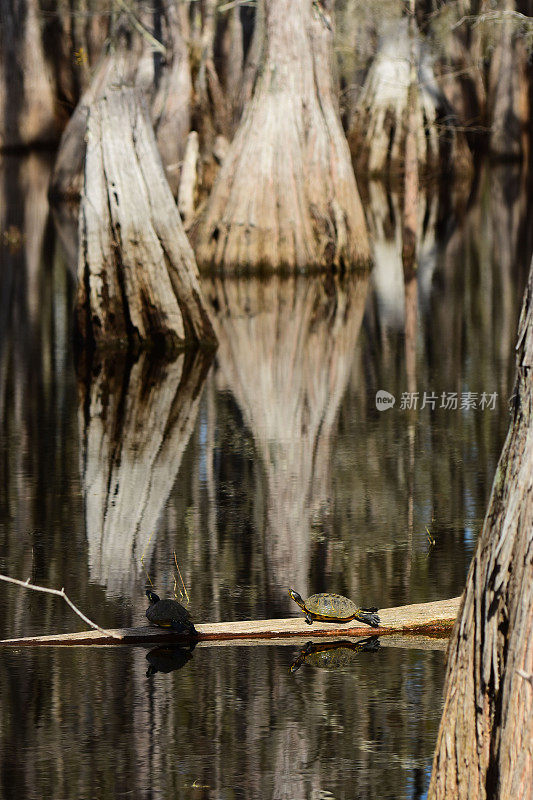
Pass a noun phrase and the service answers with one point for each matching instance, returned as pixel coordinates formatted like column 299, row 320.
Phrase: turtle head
column 152, row 596
column 296, row 597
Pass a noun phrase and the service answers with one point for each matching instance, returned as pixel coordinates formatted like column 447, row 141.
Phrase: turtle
column 333, row 655
column 168, row 658
column 169, row 614
column 328, row 607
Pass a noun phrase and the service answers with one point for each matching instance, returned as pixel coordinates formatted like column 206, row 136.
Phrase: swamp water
column 265, row 467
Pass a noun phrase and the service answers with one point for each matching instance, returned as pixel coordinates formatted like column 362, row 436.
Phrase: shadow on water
column 274, row 469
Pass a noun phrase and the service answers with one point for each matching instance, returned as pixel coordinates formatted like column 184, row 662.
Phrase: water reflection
column 277, row 470
column 168, row 658
column 285, row 353
column 333, row 655
column 135, row 422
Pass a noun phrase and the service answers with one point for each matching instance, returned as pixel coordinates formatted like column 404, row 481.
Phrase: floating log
column 422, row 619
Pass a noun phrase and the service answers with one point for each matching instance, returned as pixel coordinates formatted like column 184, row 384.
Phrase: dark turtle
column 169, row 614
column 333, row 655
column 168, row 658
column 334, row 608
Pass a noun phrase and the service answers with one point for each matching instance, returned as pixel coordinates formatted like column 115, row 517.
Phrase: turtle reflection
column 333, row 655
column 168, row 658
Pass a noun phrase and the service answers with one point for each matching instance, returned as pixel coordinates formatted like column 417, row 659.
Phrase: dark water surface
column 267, row 467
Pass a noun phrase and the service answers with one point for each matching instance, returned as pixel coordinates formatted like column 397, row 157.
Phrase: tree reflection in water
column 279, row 470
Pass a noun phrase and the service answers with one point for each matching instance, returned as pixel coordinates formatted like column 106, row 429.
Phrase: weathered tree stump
column 485, row 743
column 285, row 196
column 137, row 277
column 157, row 67
column 379, row 128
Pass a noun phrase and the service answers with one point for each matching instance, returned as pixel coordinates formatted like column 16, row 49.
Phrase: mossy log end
column 421, row 619
column 137, row 277
column 286, row 198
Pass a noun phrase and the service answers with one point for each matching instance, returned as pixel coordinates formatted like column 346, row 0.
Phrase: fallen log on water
column 422, row 619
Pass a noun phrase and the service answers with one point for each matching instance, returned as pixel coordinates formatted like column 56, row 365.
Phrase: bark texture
column 485, row 742
column 379, row 130
column 286, row 197
column 28, row 114
column 158, row 66
column 137, row 277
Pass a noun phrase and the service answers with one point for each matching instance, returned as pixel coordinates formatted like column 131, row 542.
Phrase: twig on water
column 60, row 593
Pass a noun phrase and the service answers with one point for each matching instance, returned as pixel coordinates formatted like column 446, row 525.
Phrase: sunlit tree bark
column 157, row 64
column 137, row 277
column 485, row 742
column 286, row 195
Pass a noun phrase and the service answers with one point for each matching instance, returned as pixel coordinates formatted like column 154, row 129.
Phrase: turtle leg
column 308, row 618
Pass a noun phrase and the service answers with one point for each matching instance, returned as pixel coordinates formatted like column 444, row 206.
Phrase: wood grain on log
column 422, row 619
column 137, row 277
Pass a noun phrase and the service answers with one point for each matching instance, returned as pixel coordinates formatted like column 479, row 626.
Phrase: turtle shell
column 168, row 614
column 333, row 607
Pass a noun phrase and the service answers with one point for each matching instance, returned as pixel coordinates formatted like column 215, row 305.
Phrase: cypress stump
column 137, row 276
column 286, row 197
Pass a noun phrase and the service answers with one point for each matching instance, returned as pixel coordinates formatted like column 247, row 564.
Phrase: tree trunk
column 508, row 90
column 137, row 278
column 286, row 197
column 28, row 113
column 159, row 67
column 459, row 63
column 485, row 743
column 378, row 133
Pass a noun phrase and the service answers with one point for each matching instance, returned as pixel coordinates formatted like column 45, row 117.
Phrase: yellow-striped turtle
column 333, row 655
column 326, row 607
column 169, row 614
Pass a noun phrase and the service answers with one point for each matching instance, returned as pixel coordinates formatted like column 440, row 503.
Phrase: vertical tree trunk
column 28, row 114
column 157, row 67
column 384, row 110
column 485, row 743
column 508, row 90
column 286, row 195
column 137, row 278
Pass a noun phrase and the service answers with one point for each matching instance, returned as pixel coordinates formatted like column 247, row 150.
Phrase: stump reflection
column 135, row 422
column 286, row 349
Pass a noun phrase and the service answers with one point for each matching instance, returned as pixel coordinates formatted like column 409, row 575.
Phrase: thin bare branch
column 60, row 593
